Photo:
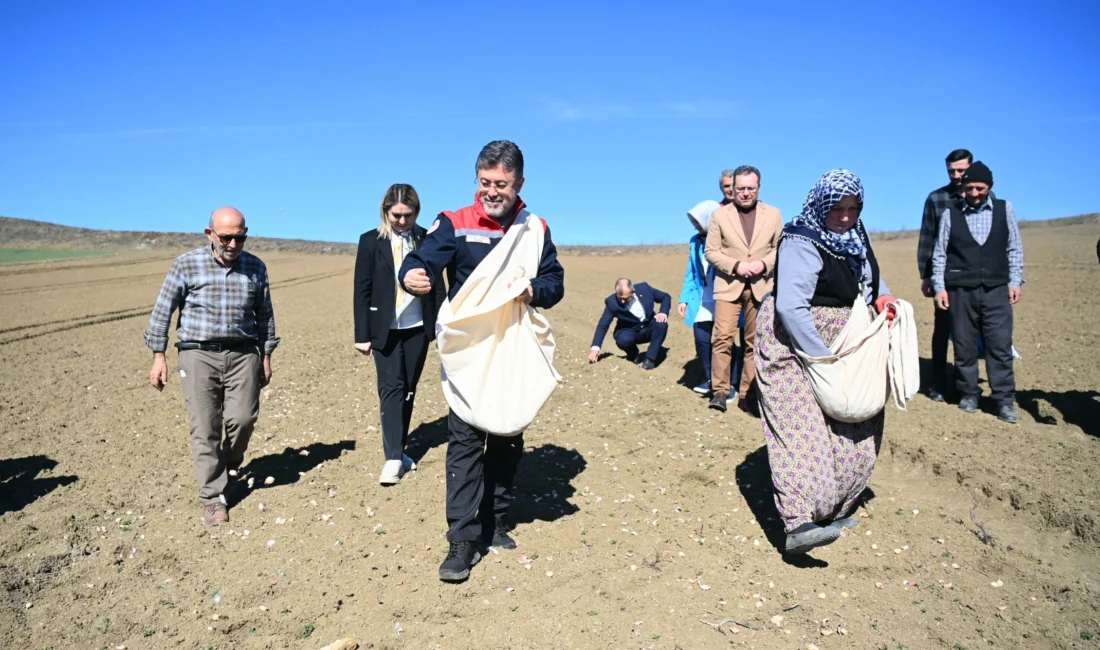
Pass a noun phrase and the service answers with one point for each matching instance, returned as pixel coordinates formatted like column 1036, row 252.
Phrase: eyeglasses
column 225, row 239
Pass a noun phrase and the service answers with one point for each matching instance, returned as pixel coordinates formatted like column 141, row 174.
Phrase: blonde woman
column 392, row 326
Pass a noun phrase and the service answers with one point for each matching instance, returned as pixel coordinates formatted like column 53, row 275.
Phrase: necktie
column 401, row 247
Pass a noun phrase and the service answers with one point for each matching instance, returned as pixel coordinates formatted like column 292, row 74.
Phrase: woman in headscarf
column 819, row 466
column 697, row 294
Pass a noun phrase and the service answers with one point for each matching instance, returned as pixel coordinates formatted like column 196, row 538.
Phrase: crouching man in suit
column 633, row 308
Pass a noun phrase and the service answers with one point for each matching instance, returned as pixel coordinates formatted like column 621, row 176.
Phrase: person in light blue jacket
column 697, row 294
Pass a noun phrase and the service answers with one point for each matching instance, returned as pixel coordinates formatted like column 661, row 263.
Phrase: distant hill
column 26, row 233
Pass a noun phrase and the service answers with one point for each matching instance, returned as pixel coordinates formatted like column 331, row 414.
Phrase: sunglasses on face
column 225, row 239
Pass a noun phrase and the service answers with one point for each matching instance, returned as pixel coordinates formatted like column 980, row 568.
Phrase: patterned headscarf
column 830, row 189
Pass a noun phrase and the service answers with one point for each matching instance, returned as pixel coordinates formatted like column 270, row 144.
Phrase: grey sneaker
column 1007, row 412
column 847, row 522
column 936, row 396
column 969, row 403
column 810, row 536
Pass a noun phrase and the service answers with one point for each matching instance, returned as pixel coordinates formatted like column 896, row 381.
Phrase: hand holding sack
column 870, row 359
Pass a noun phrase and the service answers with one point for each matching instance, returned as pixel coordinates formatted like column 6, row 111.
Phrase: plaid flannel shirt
column 215, row 303
column 980, row 222
column 934, row 207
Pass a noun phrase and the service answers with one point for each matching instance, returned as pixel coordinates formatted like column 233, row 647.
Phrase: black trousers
column 983, row 312
column 652, row 332
column 941, row 336
column 481, row 478
column 399, row 365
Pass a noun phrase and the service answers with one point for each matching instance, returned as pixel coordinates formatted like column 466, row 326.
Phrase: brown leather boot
column 214, row 514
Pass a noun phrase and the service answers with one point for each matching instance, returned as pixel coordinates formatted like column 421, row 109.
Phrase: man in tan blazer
column 741, row 245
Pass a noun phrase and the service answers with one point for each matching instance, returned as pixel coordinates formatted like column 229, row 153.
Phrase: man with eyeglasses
column 742, row 240
column 226, row 334
column 481, row 466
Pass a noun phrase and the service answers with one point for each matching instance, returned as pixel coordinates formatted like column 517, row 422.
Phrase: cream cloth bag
column 498, row 354
column 853, row 383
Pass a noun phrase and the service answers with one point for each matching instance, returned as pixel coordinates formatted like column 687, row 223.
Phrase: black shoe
column 969, row 403
column 718, row 402
column 1007, row 413
column 460, row 558
column 501, row 538
column 648, row 365
column 936, row 396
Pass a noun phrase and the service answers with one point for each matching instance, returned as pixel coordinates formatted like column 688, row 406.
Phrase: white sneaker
column 408, row 463
column 391, row 472
column 702, row 388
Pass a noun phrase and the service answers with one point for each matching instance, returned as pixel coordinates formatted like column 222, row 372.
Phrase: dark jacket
column 375, row 290
column 458, row 241
column 612, row 310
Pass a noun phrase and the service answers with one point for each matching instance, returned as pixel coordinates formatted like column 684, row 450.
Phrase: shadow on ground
column 543, row 486
column 425, row 438
column 288, row 466
column 1079, row 408
column 20, row 485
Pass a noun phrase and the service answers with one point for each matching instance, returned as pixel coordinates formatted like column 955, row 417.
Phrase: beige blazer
column 727, row 246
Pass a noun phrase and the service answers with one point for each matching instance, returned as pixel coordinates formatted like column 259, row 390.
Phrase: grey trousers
column 986, row 313
column 221, row 390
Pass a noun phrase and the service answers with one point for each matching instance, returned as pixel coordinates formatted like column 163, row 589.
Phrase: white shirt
column 635, row 307
column 408, row 313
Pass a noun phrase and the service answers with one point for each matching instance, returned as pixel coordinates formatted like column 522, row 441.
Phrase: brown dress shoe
column 718, row 402
column 214, row 514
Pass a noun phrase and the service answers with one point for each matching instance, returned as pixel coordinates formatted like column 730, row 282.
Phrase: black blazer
column 375, row 290
column 622, row 316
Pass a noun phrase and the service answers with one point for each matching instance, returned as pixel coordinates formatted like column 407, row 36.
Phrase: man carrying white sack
column 496, row 352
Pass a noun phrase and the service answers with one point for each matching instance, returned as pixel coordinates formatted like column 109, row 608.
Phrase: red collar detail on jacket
column 473, row 216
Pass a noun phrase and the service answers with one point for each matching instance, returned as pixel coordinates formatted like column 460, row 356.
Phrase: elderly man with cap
column 226, row 334
column 977, row 272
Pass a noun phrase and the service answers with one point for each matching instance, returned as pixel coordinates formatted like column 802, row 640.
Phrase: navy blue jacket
column 612, row 310
column 458, row 241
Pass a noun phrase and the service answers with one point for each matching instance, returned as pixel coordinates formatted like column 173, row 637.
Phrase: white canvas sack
column 853, row 383
column 498, row 354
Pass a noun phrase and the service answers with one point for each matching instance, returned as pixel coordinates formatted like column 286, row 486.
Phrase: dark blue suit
column 629, row 331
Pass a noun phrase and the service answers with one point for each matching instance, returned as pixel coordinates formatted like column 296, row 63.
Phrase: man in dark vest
column 977, row 272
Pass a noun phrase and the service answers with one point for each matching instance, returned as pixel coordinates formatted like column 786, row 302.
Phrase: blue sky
column 148, row 115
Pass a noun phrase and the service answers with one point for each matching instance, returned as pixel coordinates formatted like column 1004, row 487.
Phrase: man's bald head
column 227, row 218
column 624, row 290
column 227, row 232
